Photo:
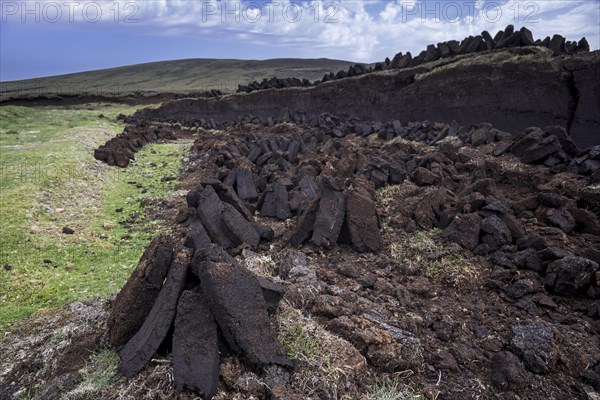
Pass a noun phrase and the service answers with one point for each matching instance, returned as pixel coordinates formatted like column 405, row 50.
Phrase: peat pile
column 507, row 38
column 193, row 297
column 120, row 150
column 204, row 306
column 135, row 98
column 273, row 83
column 524, row 205
column 319, row 175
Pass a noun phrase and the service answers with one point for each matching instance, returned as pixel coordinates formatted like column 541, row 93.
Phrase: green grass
column 29, row 393
column 48, row 180
column 516, row 55
column 263, row 264
column 388, row 194
column 431, row 258
column 299, row 342
column 392, row 389
column 98, row 375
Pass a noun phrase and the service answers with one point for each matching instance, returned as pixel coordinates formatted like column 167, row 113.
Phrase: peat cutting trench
column 463, row 247
column 511, row 92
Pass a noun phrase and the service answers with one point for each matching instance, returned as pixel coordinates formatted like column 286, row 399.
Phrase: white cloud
column 366, row 30
column 398, row 25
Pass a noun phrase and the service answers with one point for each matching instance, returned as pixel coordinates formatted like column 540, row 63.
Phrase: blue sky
column 42, row 38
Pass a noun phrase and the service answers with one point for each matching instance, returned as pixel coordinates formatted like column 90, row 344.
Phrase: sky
column 43, row 38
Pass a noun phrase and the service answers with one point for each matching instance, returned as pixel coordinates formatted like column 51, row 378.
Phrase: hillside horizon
column 147, row 63
column 176, row 76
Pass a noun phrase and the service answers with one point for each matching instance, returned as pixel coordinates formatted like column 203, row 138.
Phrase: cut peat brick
column 306, row 222
column 139, row 350
column 246, row 188
column 274, row 202
column 236, row 301
column 332, row 208
column 210, row 209
column 227, row 195
column 361, row 217
column 195, row 345
column 135, row 300
column 237, row 228
column 272, row 292
column 197, row 238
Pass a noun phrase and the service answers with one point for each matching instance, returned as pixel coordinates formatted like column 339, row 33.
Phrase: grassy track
column 49, row 180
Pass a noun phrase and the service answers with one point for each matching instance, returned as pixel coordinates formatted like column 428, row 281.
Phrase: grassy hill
column 180, row 76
